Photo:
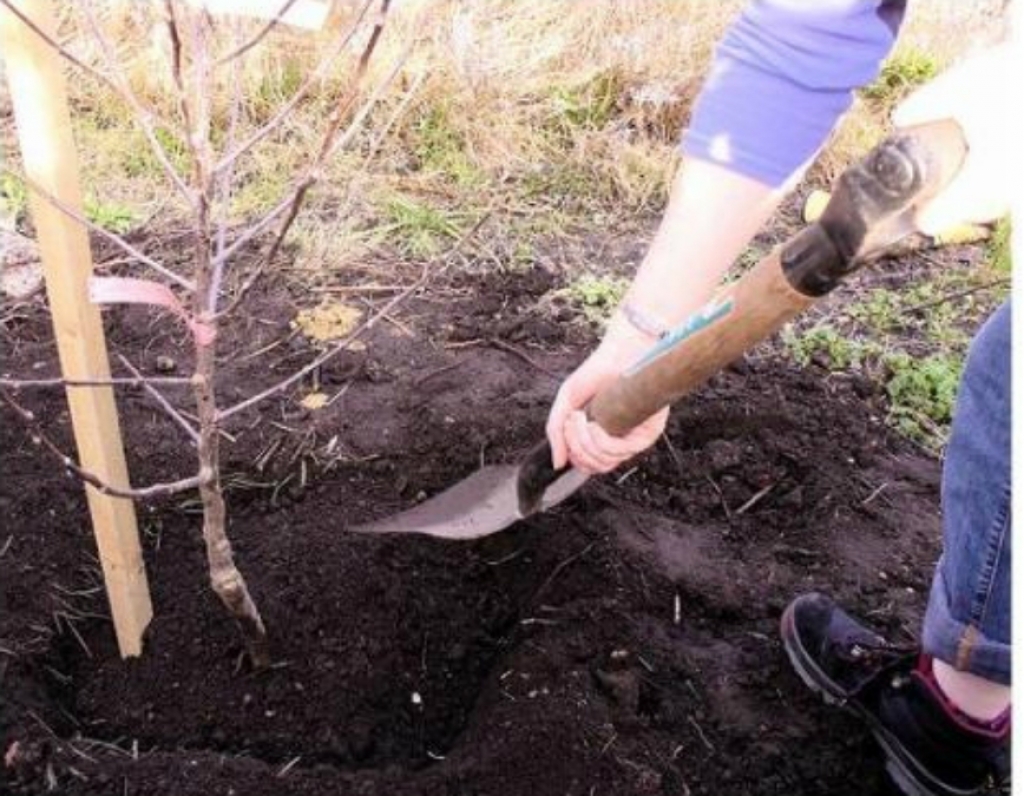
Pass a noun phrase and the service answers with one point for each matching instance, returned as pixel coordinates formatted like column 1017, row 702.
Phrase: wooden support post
column 39, row 96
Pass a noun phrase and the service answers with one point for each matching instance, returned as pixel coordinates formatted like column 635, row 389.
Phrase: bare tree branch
column 330, row 144
column 154, row 490
column 226, row 177
column 26, row 384
column 142, row 114
column 157, row 396
column 117, row 240
column 260, row 35
column 315, row 77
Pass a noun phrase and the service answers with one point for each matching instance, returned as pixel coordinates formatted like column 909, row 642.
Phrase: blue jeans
column 967, row 623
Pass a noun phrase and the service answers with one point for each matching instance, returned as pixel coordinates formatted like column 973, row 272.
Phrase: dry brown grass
column 549, row 112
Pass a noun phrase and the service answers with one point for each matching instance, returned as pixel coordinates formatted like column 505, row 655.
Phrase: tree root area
column 623, row 643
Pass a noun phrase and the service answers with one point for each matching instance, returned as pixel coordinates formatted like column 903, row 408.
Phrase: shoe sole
column 908, row 774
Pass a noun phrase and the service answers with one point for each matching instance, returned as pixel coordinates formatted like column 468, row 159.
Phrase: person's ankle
column 982, row 704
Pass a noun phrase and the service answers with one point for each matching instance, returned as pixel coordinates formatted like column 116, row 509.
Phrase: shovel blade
column 484, row 503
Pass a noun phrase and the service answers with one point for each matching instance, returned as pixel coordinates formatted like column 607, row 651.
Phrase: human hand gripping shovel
column 873, row 206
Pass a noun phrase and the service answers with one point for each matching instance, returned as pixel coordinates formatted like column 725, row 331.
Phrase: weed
column 880, row 311
column 826, row 343
column 109, row 215
column 922, row 393
column 595, row 297
column 590, row 106
column 903, row 72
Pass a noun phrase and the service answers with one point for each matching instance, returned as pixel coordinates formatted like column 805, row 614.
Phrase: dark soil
column 624, row 643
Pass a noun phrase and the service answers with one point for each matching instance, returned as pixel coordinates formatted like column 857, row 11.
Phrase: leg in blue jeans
column 967, row 623
column 941, row 717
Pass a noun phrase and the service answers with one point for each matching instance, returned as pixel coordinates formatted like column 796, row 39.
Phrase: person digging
column 782, row 76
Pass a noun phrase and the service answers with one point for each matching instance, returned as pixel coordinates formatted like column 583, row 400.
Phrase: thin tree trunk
column 225, row 578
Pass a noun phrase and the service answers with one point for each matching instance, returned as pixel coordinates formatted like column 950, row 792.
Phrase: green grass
column 440, row 149
column 13, row 197
column 139, row 160
column 901, row 74
column 999, row 254
column 590, row 106
column 113, row 217
column 417, row 228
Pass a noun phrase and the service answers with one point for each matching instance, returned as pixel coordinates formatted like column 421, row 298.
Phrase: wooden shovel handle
column 745, row 313
column 872, row 207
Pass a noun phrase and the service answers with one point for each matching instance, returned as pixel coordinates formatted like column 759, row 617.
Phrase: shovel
column 872, row 208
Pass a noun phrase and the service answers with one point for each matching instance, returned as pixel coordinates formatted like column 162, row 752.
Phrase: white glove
column 983, row 95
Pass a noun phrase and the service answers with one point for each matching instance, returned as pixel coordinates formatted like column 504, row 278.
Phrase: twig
column 401, row 327
column 95, row 481
column 24, row 384
column 958, row 294
column 754, row 500
column 511, row 349
column 721, row 497
column 226, row 179
column 260, row 35
column 329, row 145
column 558, row 569
column 288, row 766
column 142, row 114
column 117, row 240
column 319, row 73
column 166, row 405
column 875, row 493
column 700, row 733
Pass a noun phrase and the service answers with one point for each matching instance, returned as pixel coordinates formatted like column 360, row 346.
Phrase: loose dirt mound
column 624, row 643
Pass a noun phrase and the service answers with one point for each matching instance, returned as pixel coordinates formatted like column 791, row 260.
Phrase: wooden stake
column 39, row 96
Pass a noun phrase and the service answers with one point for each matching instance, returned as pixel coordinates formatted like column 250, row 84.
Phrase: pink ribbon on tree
column 124, row 290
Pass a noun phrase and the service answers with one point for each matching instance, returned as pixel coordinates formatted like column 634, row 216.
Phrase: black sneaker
column 929, row 749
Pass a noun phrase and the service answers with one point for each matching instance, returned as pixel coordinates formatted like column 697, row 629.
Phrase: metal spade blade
column 484, row 503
